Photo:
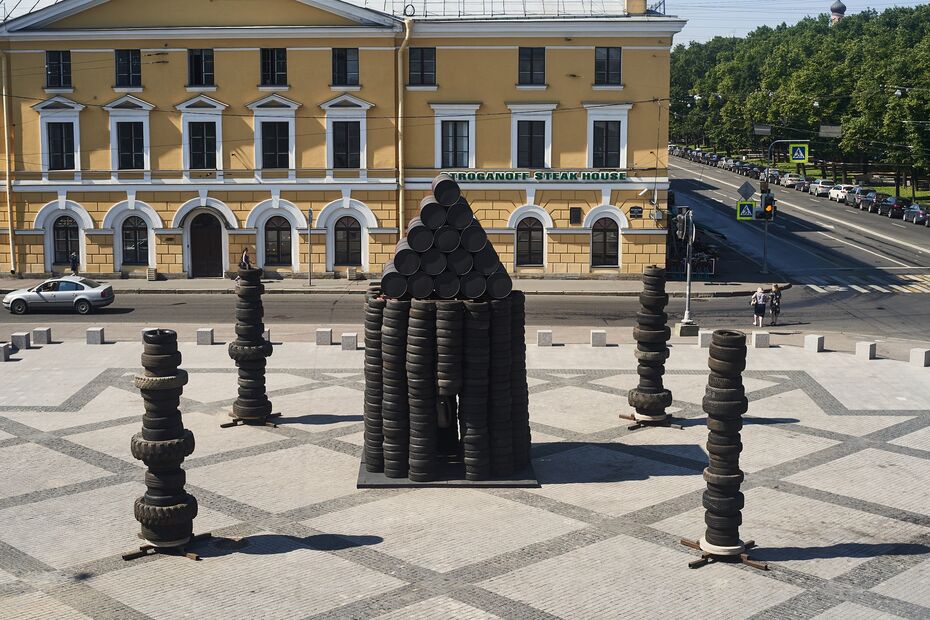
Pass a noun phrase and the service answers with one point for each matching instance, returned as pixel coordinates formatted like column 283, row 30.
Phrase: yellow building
column 174, row 134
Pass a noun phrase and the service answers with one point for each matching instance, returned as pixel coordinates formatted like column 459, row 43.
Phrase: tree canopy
column 869, row 73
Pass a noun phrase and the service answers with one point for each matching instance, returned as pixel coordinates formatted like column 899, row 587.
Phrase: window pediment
column 347, row 102
column 128, row 103
column 274, row 103
column 201, row 103
column 58, row 104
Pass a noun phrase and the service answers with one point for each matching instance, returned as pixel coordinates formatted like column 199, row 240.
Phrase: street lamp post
column 309, row 248
column 691, row 235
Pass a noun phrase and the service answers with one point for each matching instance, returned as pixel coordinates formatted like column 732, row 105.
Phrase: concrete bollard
column 95, row 335
column 761, row 340
column 5, row 352
column 205, row 336
column 20, row 340
column 350, row 341
column 920, row 358
column 598, row 338
column 42, row 335
column 704, row 338
column 813, row 343
column 865, row 350
column 544, row 338
column 324, row 337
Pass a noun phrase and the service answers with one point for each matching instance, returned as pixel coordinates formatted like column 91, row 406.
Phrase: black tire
column 19, row 307
column 725, row 394
column 723, row 506
column 82, row 306
column 728, row 338
column 718, row 522
column 726, row 368
column 727, row 354
column 724, row 382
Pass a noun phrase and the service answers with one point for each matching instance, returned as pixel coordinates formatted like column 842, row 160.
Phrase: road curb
column 674, row 294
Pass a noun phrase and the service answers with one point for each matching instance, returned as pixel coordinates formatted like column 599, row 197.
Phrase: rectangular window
column 607, row 66
column 130, row 145
column 200, row 67
column 606, row 144
column 202, row 145
column 347, row 144
column 455, row 144
column 532, row 66
column 58, row 69
column 531, row 144
column 274, row 66
column 422, row 66
column 275, row 145
column 128, row 68
column 60, row 146
column 345, row 66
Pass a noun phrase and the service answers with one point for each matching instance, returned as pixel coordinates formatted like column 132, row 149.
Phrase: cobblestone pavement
column 837, row 455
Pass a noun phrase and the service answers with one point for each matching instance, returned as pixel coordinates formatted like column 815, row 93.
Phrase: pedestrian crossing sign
column 798, row 153
column 746, row 210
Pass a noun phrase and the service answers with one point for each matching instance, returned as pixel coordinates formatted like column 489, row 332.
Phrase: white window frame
column 347, row 108
column 137, row 114
column 455, row 112
column 201, row 109
column 530, row 112
column 59, row 110
column 602, row 111
column 275, row 109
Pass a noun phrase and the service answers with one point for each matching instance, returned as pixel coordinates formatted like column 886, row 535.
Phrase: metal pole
column 687, row 317
column 309, row 248
column 765, row 247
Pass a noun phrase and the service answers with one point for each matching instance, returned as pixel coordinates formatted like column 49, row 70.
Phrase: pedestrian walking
column 775, row 303
column 245, row 262
column 74, row 262
column 758, row 302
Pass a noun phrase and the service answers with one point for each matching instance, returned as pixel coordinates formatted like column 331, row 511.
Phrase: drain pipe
column 401, row 173
column 4, row 76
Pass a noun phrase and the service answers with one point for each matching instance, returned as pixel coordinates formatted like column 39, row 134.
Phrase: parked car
column 771, row 175
column 917, row 213
column 789, row 180
column 754, row 172
column 893, row 206
column 871, row 202
column 803, row 184
column 820, row 187
column 855, row 196
column 77, row 293
column 838, row 192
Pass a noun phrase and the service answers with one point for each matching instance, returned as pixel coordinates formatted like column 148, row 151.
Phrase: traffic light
column 681, row 226
column 768, row 207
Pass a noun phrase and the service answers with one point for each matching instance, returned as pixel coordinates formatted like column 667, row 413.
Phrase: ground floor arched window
column 278, row 241
column 66, row 237
column 605, row 243
column 530, row 243
column 348, row 242
column 135, row 241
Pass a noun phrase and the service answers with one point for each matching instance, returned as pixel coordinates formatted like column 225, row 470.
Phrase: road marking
column 828, row 218
column 815, row 288
column 898, row 225
column 859, row 247
column 879, row 289
column 859, row 288
column 900, row 288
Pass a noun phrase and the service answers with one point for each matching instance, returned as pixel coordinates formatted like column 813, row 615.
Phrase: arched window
column 348, row 240
column 529, row 242
column 278, row 241
column 66, row 239
column 135, row 241
column 605, row 243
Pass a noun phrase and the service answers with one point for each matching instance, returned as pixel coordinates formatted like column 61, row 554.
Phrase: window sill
column 267, row 88
column 349, row 88
column 423, row 87
column 532, row 86
column 127, row 89
column 59, row 91
column 606, row 86
column 605, row 267
column 200, row 89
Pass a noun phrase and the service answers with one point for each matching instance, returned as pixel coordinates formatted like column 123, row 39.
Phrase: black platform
column 450, row 475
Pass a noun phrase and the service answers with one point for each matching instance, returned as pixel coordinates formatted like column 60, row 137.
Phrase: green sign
column 518, row 176
column 746, row 210
column 798, row 153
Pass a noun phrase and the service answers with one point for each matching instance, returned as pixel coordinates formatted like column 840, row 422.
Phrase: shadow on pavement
column 839, row 550
column 319, row 419
column 273, row 544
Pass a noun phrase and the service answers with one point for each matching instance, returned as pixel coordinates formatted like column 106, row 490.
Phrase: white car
column 820, row 188
column 77, row 293
column 789, row 180
column 838, row 192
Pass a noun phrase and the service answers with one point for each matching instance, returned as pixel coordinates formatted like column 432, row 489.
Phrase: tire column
column 250, row 350
column 395, row 412
column 421, row 390
column 519, row 389
column 650, row 398
column 473, row 404
column 374, row 383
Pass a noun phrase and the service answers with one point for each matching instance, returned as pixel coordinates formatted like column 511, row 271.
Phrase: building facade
column 173, row 135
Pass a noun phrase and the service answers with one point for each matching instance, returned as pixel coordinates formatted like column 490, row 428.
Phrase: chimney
column 636, row 7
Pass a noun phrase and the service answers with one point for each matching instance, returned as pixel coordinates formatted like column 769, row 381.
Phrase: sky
column 710, row 18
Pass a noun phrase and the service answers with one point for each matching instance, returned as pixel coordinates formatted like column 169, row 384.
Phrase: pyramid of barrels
column 446, row 394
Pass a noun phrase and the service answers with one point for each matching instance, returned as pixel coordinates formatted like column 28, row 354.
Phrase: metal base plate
column 450, row 474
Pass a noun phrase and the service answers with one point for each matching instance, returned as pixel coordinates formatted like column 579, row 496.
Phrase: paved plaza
column 837, row 455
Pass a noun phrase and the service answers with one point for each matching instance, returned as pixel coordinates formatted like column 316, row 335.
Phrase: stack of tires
column 166, row 511
column 499, row 411
column 374, row 386
column 650, row 398
column 519, row 390
column 473, row 403
column 422, row 390
column 725, row 403
column 250, row 350
column 395, row 412
column 449, row 372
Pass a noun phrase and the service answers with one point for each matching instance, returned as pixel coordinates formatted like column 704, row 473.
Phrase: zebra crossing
column 887, row 283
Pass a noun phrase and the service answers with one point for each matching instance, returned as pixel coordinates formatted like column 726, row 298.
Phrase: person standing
column 758, row 302
column 74, row 262
column 775, row 303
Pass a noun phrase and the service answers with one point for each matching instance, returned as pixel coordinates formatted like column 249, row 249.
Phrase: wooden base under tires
column 711, row 558
column 256, row 422
column 181, row 550
column 643, row 422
